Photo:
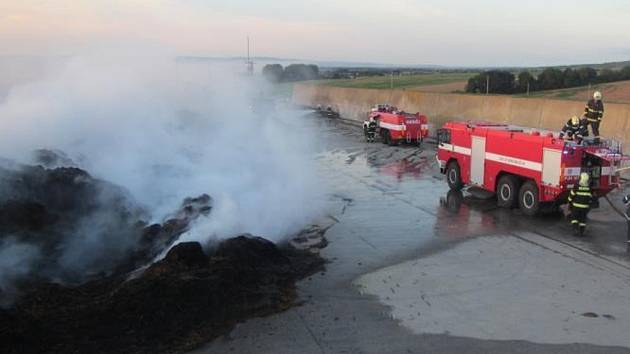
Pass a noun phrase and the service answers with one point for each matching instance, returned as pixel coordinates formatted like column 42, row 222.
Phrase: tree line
column 293, row 72
column 505, row 82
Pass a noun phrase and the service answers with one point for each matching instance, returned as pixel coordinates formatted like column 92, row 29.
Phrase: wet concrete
column 391, row 206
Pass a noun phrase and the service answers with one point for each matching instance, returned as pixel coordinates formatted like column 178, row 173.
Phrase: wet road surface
column 392, row 208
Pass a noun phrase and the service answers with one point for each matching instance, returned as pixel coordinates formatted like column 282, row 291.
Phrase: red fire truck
column 395, row 126
column 524, row 167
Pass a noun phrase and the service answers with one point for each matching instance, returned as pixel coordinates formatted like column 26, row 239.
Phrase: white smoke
column 167, row 129
column 16, row 260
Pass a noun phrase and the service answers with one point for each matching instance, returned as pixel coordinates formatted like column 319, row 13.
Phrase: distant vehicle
column 395, row 126
column 524, row 167
column 328, row 112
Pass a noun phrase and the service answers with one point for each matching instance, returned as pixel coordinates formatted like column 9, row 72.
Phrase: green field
column 402, row 81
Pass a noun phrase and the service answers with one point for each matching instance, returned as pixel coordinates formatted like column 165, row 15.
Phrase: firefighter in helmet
column 371, row 129
column 594, row 112
column 580, row 200
column 574, row 129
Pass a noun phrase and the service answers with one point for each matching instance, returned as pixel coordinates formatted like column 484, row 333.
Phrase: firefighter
column 594, row 112
column 580, row 199
column 575, row 129
column 371, row 130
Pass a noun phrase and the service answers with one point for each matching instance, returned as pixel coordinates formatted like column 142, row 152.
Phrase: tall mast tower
column 249, row 63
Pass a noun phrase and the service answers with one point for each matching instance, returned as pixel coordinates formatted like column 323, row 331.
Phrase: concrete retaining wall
column 440, row 107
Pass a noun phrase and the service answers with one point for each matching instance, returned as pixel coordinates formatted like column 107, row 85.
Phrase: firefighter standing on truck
column 575, row 129
column 580, row 199
column 594, row 112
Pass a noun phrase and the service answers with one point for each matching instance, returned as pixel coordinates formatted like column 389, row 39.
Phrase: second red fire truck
column 395, row 126
column 526, row 168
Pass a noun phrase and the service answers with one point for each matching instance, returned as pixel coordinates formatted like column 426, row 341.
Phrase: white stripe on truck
column 514, row 161
column 455, row 148
column 508, row 160
column 390, row 126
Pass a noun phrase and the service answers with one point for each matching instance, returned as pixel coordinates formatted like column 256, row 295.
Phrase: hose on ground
column 623, row 215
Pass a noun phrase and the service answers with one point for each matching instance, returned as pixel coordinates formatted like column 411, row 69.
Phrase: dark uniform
column 573, row 131
column 580, row 199
column 371, row 130
column 594, row 112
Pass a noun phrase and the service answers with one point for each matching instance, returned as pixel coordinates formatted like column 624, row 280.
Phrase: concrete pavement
column 393, row 209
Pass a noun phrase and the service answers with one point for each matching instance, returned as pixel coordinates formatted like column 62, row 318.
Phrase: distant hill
column 321, row 63
column 611, row 65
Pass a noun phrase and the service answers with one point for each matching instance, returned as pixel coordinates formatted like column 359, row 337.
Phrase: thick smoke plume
column 165, row 130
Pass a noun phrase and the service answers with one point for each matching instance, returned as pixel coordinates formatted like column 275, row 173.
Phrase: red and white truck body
column 524, row 167
column 396, row 126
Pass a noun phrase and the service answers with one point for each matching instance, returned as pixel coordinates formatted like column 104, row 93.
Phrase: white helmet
column 575, row 120
column 597, row 95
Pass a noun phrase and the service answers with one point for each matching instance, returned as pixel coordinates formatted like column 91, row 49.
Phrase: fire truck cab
column 524, row 167
column 395, row 126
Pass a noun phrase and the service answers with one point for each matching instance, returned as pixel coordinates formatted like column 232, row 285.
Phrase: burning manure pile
column 78, row 269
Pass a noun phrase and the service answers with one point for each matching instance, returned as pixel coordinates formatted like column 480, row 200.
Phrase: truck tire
column 507, row 191
column 454, row 176
column 528, row 199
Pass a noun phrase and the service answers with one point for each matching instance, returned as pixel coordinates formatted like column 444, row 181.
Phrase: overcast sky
column 446, row 32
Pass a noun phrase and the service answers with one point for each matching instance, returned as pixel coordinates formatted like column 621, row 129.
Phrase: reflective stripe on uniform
column 582, row 206
column 585, row 194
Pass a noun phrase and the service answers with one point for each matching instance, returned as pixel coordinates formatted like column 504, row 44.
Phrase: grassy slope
column 613, row 92
column 404, row 81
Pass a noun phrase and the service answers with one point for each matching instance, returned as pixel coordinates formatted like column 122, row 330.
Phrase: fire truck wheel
column 454, row 176
column 507, row 188
column 528, row 198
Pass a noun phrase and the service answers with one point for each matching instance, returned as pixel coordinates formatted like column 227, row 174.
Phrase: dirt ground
column 129, row 300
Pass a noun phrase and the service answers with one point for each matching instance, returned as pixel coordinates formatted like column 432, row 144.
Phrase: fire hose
column 625, row 216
